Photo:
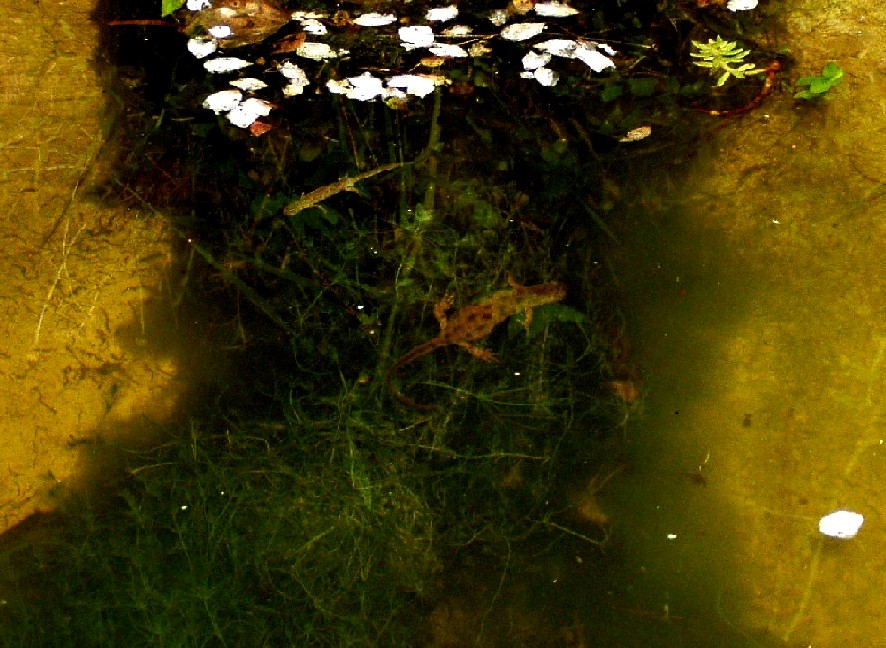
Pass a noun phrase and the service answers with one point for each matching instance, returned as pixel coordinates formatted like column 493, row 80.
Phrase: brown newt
column 475, row 322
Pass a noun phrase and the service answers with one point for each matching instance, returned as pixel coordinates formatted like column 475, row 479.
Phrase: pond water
column 753, row 286
column 756, row 294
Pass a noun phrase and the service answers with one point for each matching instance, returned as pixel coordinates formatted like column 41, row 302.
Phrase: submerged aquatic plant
column 722, row 56
column 814, row 87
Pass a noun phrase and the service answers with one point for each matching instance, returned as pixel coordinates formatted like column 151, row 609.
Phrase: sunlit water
column 755, row 293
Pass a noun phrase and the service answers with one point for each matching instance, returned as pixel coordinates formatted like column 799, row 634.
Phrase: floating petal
column 522, row 31
column 841, row 524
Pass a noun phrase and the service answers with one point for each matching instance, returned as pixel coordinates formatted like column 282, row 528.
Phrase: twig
column 63, row 266
column 576, row 534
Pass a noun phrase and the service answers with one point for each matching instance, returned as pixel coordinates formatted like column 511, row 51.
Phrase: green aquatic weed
column 819, row 86
column 721, row 57
column 168, row 7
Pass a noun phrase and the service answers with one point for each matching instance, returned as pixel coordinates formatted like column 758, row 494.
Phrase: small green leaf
column 819, row 86
column 832, row 71
column 170, row 6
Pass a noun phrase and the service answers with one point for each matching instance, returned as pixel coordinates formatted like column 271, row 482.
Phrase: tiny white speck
column 672, row 536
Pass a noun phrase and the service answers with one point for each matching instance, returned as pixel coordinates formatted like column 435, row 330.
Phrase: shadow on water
column 674, row 508
column 755, row 316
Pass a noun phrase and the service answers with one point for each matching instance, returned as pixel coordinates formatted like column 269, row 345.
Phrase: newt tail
column 418, row 352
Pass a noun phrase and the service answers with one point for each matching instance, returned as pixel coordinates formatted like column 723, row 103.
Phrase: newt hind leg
column 440, row 309
column 482, row 354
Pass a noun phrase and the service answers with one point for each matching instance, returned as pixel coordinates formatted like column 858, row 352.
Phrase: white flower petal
column 592, row 58
column 202, row 47
column 741, row 5
column 291, row 70
column 293, row 89
column 442, row 14
column 546, row 76
column 394, row 93
column 415, row 36
column 554, row 9
column 225, row 64
column 375, row 20
column 841, row 524
column 247, row 112
column 318, row 51
column 220, row 31
column 534, row 60
column 364, row 87
column 414, row 84
column 248, row 84
column 298, row 80
column 558, row 47
column 448, row 51
column 522, row 31
column 223, row 101
column 338, row 86
column 314, row 27
column 198, row 5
